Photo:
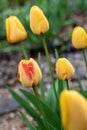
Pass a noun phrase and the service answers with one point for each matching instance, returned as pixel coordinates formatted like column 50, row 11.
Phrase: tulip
column 38, row 22
column 14, row 30
column 29, row 73
column 64, row 69
column 73, row 108
column 79, row 38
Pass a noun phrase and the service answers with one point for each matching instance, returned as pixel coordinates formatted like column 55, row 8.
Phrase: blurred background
column 63, row 16
column 58, row 12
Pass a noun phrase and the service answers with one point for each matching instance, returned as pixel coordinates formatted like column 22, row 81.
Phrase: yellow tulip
column 38, row 22
column 73, row 108
column 14, row 30
column 64, row 69
column 29, row 73
column 79, row 38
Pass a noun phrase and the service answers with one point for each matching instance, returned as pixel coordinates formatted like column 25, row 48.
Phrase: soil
column 10, row 118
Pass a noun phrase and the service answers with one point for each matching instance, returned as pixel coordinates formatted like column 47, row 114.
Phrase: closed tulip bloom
column 14, row 30
column 79, row 38
column 64, row 69
column 73, row 108
column 29, row 73
column 38, row 22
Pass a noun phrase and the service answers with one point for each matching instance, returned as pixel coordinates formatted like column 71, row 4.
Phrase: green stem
column 24, row 51
column 85, row 60
column 41, row 107
column 49, row 64
column 67, row 82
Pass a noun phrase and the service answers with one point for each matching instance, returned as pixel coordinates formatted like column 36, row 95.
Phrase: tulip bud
column 64, row 69
column 73, row 108
column 38, row 22
column 14, row 30
column 29, row 73
column 79, row 38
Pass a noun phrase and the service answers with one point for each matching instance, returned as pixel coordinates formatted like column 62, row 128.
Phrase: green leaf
column 51, row 115
column 28, row 108
column 61, row 86
column 56, row 54
column 42, row 82
column 50, row 98
column 51, row 127
column 30, row 97
column 79, row 81
column 28, row 123
column 84, row 93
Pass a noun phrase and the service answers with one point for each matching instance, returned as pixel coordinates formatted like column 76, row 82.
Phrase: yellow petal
column 79, row 38
column 73, row 110
column 64, row 69
column 15, row 30
column 7, row 29
column 38, row 22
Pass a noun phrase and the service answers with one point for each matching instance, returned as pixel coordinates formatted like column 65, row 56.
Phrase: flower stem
column 67, row 82
column 41, row 107
column 85, row 60
column 49, row 64
column 24, row 51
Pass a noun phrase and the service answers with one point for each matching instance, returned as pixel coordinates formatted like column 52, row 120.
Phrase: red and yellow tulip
column 29, row 73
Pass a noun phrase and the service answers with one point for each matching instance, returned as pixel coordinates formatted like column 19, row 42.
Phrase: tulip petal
column 15, row 30
column 38, row 22
column 64, row 68
column 73, row 110
column 79, row 38
column 8, row 29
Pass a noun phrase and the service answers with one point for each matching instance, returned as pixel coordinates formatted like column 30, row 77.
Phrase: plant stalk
column 24, row 52
column 85, row 60
column 50, row 65
column 41, row 107
column 67, row 82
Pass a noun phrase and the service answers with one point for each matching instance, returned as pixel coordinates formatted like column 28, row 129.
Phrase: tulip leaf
column 27, row 107
column 84, row 93
column 30, row 97
column 28, row 123
column 42, row 83
column 79, row 81
column 51, row 115
column 50, row 98
column 56, row 54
